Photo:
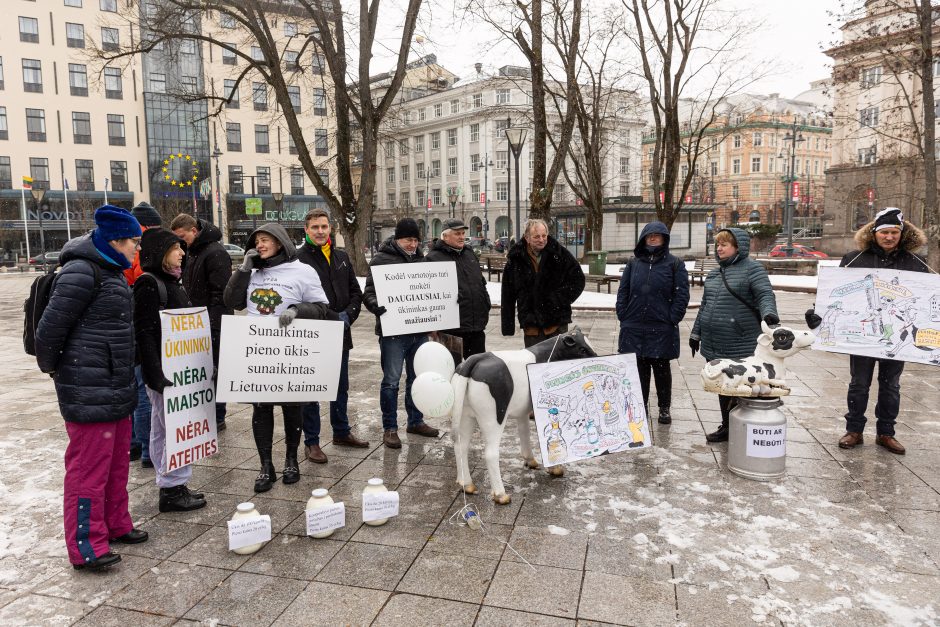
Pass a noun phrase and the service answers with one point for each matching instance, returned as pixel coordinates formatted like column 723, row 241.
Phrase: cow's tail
column 459, row 383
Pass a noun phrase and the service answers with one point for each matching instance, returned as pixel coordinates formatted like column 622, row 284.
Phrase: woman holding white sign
column 273, row 282
column 159, row 288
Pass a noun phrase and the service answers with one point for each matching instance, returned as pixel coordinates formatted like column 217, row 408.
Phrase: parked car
column 50, row 258
column 799, row 252
column 237, row 253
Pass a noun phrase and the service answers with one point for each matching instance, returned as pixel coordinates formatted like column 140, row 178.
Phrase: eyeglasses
column 136, row 241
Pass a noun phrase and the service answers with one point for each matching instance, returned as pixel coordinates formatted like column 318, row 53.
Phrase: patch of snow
column 783, row 573
column 640, row 538
column 558, row 531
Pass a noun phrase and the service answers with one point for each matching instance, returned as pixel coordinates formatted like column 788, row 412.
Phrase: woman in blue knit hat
column 85, row 341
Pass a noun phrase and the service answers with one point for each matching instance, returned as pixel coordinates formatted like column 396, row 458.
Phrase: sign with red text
column 188, row 404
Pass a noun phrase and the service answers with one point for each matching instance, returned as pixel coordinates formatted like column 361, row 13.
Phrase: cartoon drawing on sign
column 828, row 327
column 555, row 441
column 634, row 420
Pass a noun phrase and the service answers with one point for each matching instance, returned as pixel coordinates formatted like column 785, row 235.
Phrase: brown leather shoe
column 890, row 443
column 851, row 440
column 391, row 439
column 350, row 440
column 424, row 429
column 314, row 454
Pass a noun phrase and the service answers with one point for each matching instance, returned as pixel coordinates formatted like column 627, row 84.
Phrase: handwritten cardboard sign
column 244, row 532
column 379, row 505
column 326, row 518
column 418, row 297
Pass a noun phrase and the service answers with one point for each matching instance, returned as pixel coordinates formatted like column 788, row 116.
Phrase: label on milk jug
column 766, row 440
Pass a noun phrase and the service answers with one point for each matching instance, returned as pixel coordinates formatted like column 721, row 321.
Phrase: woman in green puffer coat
column 737, row 297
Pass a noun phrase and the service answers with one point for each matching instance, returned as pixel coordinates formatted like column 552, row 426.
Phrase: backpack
column 161, row 288
column 35, row 304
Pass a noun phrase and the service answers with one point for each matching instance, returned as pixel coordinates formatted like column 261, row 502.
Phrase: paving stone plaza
column 659, row 537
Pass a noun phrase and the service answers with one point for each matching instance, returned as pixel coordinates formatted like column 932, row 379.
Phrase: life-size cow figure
column 763, row 374
column 491, row 388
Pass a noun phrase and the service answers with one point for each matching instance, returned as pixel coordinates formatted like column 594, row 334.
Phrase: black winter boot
column 178, row 499
column 195, row 495
column 720, row 435
column 291, row 472
column 665, row 418
column 726, row 404
column 267, row 476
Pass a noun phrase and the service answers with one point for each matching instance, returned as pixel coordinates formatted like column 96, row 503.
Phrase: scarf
column 107, row 251
column 325, row 249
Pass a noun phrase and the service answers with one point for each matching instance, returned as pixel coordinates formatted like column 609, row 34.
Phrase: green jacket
column 726, row 327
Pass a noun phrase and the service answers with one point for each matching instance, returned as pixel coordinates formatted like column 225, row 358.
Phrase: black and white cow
column 764, row 373
column 490, row 388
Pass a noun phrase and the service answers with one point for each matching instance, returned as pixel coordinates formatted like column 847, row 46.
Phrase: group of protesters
column 100, row 336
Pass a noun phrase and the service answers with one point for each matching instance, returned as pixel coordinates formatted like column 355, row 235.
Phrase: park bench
column 701, row 269
column 601, row 279
column 493, row 264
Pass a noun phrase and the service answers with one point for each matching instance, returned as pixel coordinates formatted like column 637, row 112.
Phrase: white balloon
column 432, row 394
column 433, row 357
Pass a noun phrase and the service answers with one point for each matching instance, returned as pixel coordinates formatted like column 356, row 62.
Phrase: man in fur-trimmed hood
column 888, row 241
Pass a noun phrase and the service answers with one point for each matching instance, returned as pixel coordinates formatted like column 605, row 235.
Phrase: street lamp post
column 38, row 195
column 793, row 137
column 216, row 153
column 278, row 203
column 516, row 138
column 487, row 164
column 452, row 196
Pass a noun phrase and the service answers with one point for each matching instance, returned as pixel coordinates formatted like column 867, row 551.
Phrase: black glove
column 812, row 320
column 380, row 311
column 166, row 383
column 249, row 262
column 694, row 345
column 772, row 319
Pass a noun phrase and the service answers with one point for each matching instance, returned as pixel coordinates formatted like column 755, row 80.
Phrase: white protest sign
column 588, row 407
column 379, row 505
column 326, row 518
column 261, row 362
column 766, row 441
column 419, row 297
column 188, row 404
column 244, row 532
column 885, row 314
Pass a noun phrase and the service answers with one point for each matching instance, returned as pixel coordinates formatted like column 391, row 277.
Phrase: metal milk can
column 757, row 439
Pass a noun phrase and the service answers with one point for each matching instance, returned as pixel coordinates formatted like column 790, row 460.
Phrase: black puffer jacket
column 147, row 325
column 871, row 255
column 472, row 296
column 206, row 271
column 544, row 298
column 389, row 252
column 339, row 282
column 86, row 336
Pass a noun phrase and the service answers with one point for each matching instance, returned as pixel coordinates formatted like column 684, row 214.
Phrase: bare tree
column 322, row 28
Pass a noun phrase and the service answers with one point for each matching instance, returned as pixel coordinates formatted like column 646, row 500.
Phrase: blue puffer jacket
column 86, row 337
column 652, row 299
column 726, row 327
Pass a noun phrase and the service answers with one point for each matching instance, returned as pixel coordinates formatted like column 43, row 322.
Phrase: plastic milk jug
column 247, row 510
column 320, row 498
column 375, row 485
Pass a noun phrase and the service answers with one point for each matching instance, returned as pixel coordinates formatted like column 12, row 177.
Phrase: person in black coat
column 651, row 302
column 85, row 340
column 207, row 268
column 472, row 297
column 542, row 279
column 338, row 280
column 161, row 259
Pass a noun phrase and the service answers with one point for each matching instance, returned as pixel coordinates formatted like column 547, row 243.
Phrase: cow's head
column 570, row 345
column 784, row 341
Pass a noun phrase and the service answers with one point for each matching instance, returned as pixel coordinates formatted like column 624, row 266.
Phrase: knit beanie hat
column 116, row 223
column 146, row 214
column 407, row 227
column 889, row 218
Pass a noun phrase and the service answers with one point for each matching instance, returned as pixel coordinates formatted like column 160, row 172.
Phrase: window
column 116, row 130
column 85, row 175
column 474, row 192
column 477, row 101
column 755, row 164
column 81, row 127
column 6, row 173
column 438, row 110
column 226, row 20
column 435, row 140
column 403, row 146
column 236, row 184
column 419, row 143
column 405, row 199
column 816, row 166
column 452, row 166
column 32, row 75
column 293, row 92
column 319, row 101
column 502, row 159
column 189, row 85
column 233, row 136
column 230, row 93
column 451, row 137
column 74, row 35
column 736, row 166
column 734, row 190
column 624, row 165
column 868, row 117
column 39, row 171
column 108, row 5
column 110, row 39
column 422, row 114
column 290, row 60
column 228, row 56
column 262, row 138
column 435, row 168
column 78, row 80
column 256, row 54
column 320, row 143
column 474, row 132
column 36, row 125
column 624, row 189
column 755, row 190
column 318, row 65
column 757, row 139
column 560, row 193
column 188, row 46
column 290, row 29
column 390, row 199
column 455, row 106
column 501, row 125
column 296, row 181
column 502, row 191
column 475, row 162
column 737, row 141
column 74, row 3
column 390, row 175
column 1, row 73
column 390, row 149
column 503, row 96
column 436, row 196
column 713, row 168
column 259, row 96
column 419, row 170
column 4, row 128
column 264, row 179
column 869, row 77
column 291, row 145
column 119, row 176
column 421, row 198
column 158, row 83
column 29, row 30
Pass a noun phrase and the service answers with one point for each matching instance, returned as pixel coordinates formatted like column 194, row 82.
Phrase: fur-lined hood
column 912, row 238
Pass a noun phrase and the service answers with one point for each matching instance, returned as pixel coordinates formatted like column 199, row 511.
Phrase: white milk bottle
column 375, row 485
column 319, row 499
column 247, row 510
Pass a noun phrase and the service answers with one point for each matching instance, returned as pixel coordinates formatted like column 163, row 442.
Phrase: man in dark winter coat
column 888, row 242
column 651, row 302
column 542, row 279
column 397, row 351
column 206, row 271
column 338, row 280
column 472, row 297
column 85, row 340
